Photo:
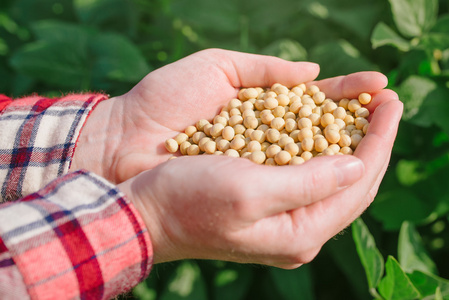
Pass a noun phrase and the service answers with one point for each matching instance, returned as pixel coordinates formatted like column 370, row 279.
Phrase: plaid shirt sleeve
column 75, row 235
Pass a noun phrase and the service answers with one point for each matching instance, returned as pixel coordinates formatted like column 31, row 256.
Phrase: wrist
column 98, row 139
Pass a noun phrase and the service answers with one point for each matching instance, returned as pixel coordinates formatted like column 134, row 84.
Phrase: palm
column 177, row 95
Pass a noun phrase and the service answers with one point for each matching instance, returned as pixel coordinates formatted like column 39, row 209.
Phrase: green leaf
column 430, row 285
column 369, row 255
column 411, row 253
column 340, row 58
column 412, row 92
column 232, row 282
column 286, row 49
column 186, row 283
column 384, row 35
column 414, row 17
column 292, row 284
column 410, row 171
column 396, row 284
column 388, row 208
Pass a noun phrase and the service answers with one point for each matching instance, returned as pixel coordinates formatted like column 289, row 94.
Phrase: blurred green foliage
column 400, row 249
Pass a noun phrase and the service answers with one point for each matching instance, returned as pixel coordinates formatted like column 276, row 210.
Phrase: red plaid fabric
column 73, row 236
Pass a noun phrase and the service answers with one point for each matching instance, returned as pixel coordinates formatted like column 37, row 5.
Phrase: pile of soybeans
column 278, row 126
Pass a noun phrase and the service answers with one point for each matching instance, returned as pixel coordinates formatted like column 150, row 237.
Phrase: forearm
column 77, row 237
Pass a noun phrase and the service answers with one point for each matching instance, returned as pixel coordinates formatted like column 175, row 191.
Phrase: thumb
column 281, row 189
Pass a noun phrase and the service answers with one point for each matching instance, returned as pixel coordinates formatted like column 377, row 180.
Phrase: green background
column 400, row 249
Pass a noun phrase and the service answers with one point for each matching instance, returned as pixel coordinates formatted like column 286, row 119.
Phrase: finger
column 335, row 213
column 350, row 86
column 251, row 70
column 281, row 189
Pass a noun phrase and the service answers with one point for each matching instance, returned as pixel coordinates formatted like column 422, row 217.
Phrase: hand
column 217, row 207
column 125, row 135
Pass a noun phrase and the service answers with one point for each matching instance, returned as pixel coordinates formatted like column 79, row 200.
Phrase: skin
column 217, row 207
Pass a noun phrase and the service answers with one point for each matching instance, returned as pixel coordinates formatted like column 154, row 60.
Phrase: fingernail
column 348, row 170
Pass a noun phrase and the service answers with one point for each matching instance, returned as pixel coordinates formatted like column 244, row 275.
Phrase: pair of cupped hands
column 218, row 207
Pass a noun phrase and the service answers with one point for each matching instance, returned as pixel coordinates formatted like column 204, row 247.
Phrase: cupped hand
column 125, row 135
column 216, row 207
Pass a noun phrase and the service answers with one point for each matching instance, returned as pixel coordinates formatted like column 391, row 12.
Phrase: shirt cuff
column 38, row 137
column 78, row 237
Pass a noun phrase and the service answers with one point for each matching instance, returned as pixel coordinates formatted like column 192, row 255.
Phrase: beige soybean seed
column 218, row 152
column 264, row 146
column 355, row 140
column 339, row 113
column 305, row 123
column 294, row 135
column 266, row 117
column 171, row 145
column 353, row 105
column 202, row 142
column 305, row 133
column 197, row 136
column 332, row 136
column 224, row 114
column 183, row 147
column 318, row 110
column 248, row 132
column 335, row 147
column 223, row 145
column 193, row 150
column 305, row 111
column 316, row 130
column 228, row 133
column 364, row 98
column 327, row 119
column 210, row 147
column 258, row 157
column 346, row 150
column 321, row 144
column 330, row 107
column 239, row 129
column 365, row 128
column 270, row 162
column 279, row 111
column 273, row 135
column 190, row 130
column 283, row 100
column 357, row 131
column 238, row 143
column 207, row 128
column 263, row 127
column 360, row 122
column 280, row 89
column 232, row 153
column 270, row 103
column 254, row 146
column 278, row 123
column 315, row 118
column 282, row 158
column 216, row 130
column 289, row 115
column 201, row 123
column 248, row 113
column 319, row 97
column 259, row 104
column 292, row 148
column 250, row 93
column 236, row 119
column 295, row 106
column 234, row 112
column 284, row 140
column 312, row 89
column 362, row 112
column 345, row 140
column 298, row 91
column 258, row 135
column 290, row 125
column 272, row 150
column 328, row 151
column 306, row 155
column 343, row 103
column 307, row 144
column 340, row 123
column 296, row 160
column 219, row 119
column 181, row 137
column 250, row 122
column 349, row 120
